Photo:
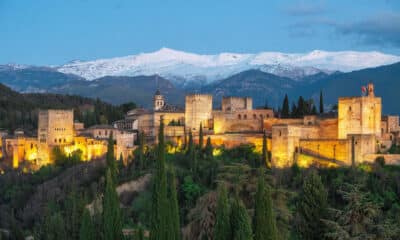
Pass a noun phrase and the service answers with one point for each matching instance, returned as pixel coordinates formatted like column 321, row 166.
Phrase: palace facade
column 357, row 132
column 56, row 128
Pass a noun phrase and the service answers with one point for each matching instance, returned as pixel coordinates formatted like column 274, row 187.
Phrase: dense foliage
column 223, row 194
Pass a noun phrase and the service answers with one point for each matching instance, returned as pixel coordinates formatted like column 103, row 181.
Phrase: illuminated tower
column 159, row 101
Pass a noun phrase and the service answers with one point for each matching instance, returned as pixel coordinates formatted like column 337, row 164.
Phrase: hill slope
column 20, row 110
column 385, row 78
column 259, row 85
column 118, row 90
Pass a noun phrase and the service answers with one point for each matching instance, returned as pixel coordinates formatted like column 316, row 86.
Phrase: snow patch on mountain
column 183, row 67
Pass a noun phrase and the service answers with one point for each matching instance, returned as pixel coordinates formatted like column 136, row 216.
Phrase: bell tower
column 159, row 101
column 371, row 90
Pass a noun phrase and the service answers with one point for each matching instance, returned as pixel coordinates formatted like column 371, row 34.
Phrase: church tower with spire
column 159, row 101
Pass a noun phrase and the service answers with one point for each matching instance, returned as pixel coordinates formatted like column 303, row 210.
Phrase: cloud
column 382, row 29
column 303, row 8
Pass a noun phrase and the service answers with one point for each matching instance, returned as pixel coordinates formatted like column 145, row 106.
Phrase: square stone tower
column 198, row 109
column 56, row 127
column 360, row 115
column 236, row 103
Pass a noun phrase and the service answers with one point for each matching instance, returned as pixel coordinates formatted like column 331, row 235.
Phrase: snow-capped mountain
column 186, row 67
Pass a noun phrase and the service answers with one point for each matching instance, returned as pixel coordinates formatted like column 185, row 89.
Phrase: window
column 267, row 115
column 240, row 116
column 245, row 116
column 55, row 140
column 254, row 116
column 280, row 133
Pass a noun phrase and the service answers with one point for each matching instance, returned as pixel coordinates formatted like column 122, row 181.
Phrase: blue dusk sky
column 52, row 32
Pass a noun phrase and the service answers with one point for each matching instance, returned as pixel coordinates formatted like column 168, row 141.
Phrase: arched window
column 254, row 116
column 240, row 116
column 267, row 115
column 245, row 116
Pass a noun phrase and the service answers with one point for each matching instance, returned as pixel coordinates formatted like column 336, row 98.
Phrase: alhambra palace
column 356, row 133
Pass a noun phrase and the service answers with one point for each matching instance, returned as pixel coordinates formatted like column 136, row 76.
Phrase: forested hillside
column 199, row 192
column 20, row 110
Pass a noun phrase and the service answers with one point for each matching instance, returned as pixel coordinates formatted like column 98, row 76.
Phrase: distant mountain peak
column 185, row 67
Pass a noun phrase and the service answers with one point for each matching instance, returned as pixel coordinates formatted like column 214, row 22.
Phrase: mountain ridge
column 177, row 65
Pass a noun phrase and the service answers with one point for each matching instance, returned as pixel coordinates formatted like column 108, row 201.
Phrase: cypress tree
column 110, row 159
column 321, row 103
column 201, row 137
column 265, row 156
column 112, row 219
column 285, row 107
column 73, row 206
column 191, row 152
column 301, row 107
column 312, row 208
column 174, row 223
column 141, row 151
column 240, row 221
column 208, row 149
column 222, row 230
column 314, row 110
column 264, row 222
column 160, row 206
column 87, row 231
column 294, row 110
column 190, row 143
column 139, row 234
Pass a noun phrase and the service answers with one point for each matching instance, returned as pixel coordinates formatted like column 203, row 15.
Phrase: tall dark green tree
column 201, row 137
column 191, row 153
column 160, row 211
column 222, row 229
column 321, row 102
column 73, row 207
column 265, row 156
column 314, row 110
column 141, row 151
column 112, row 218
column 174, row 222
column 285, row 113
column 301, row 107
column 208, row 150
column 190, row 144
column 312, row 208
column 294, row 110
column 240, row 221
column 139, row 234
column 87, row 231
column 264, row 222
column 110, row 159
